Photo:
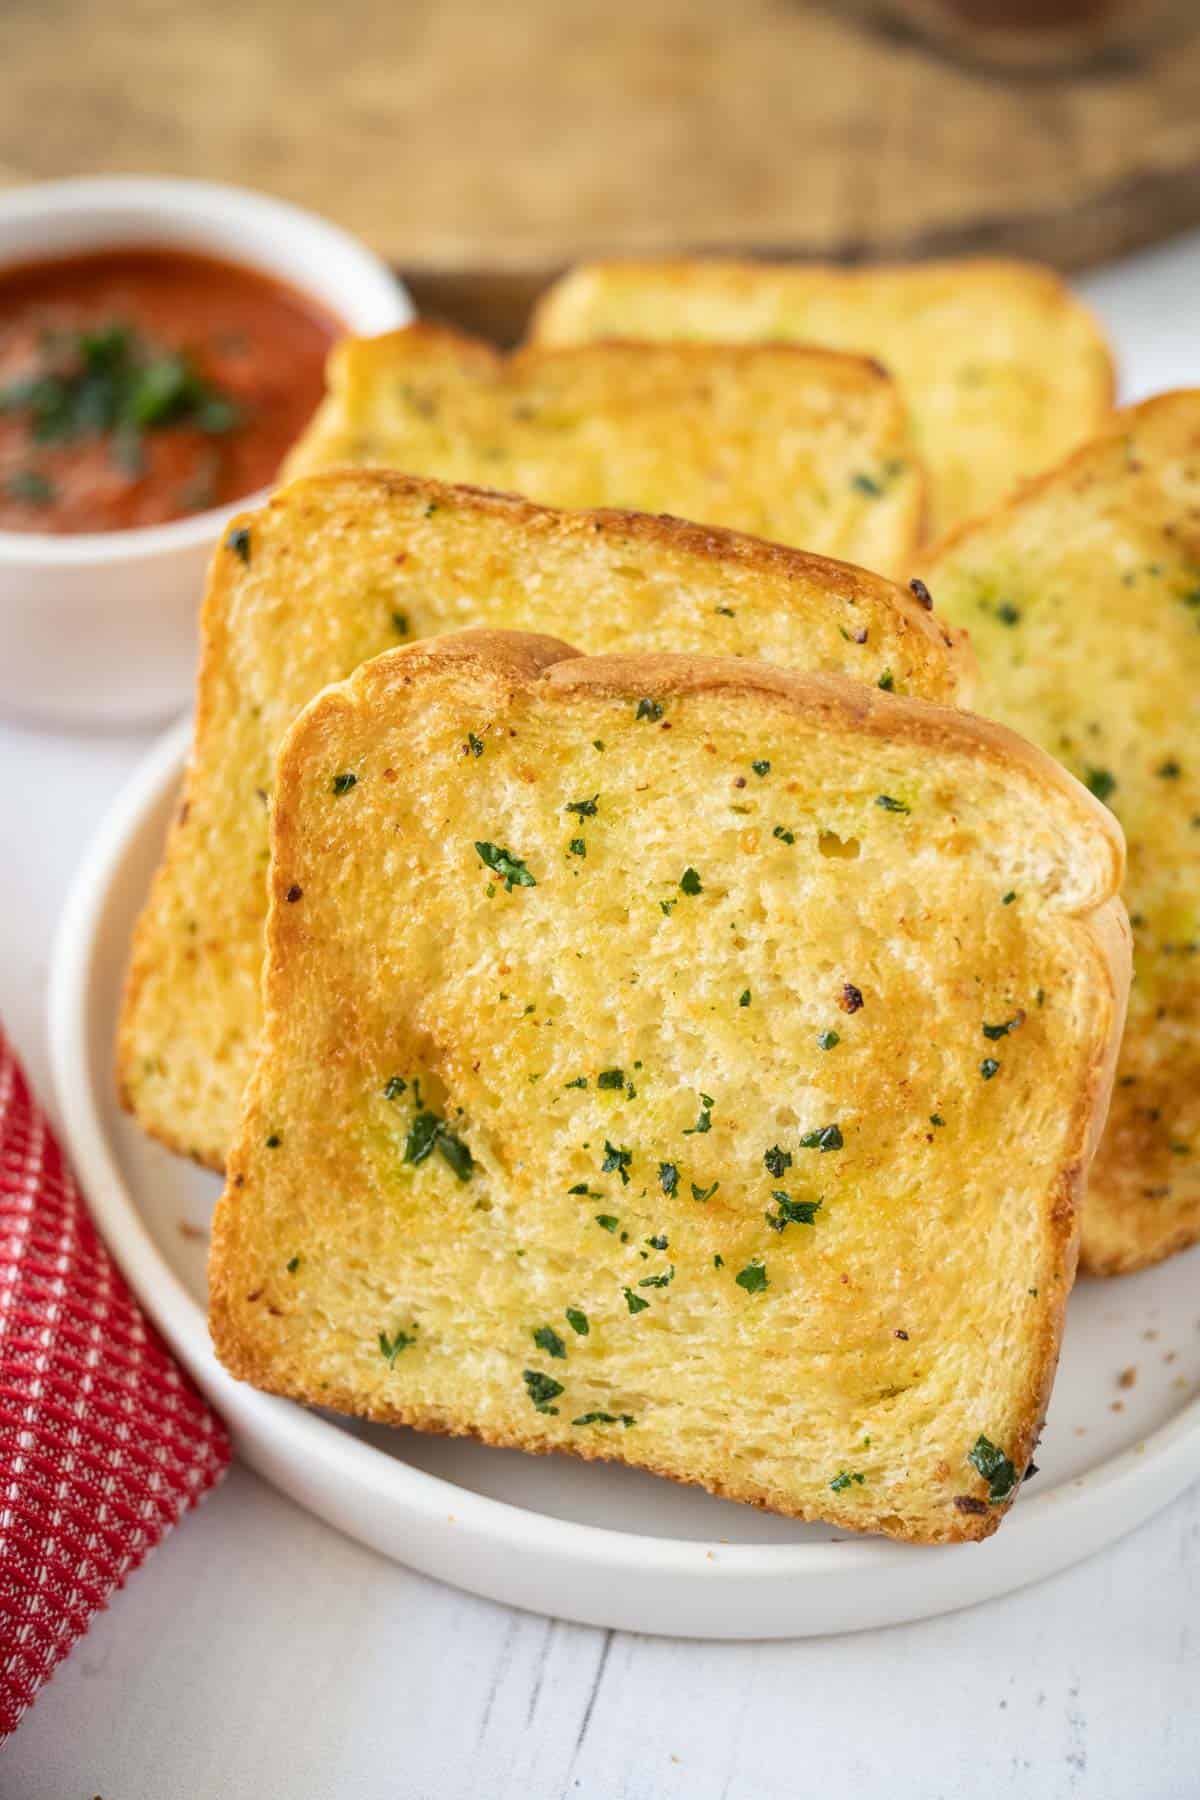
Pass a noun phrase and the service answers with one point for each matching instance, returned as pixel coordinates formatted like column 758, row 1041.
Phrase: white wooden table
column 258, row 1654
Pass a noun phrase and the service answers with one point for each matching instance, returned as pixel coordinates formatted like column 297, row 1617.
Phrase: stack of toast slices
column 638, row 1007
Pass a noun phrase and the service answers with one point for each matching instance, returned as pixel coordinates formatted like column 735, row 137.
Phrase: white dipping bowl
column 100, row 627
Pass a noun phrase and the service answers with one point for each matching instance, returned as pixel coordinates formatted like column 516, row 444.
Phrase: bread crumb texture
column 342, row 566
column 563, row 1135
column 1083, row 602
column 1003, row 370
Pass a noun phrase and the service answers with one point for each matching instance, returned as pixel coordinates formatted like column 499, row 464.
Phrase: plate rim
column 1098, row 1506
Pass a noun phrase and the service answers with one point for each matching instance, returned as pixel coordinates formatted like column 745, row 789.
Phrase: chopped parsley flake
column 293, row 1264
column 603, row 1418
column 826, row 1137
column 718, row 1261
column 995, row 1468
column 400, row 625
column 989, row 1067
column 1169, row 770
column 542, row 1389
column 753, row 1278
column 792, row 1212
column 993, row 1032
column 828, row 1040
column 511, row 868
column 648, row 709
column 427, row 1133
column 668, row 907
column 394, row 1087
column 274, row 1141
column 775, row 1161
column 690, row 882
column 744, row 997
column 633, row 1301
column 618, row 1160
column 657, row 1243
column 668, row 1176
column 887, row 682
column 1009, row 897
column 866, row 484
column 341, row 784
column 390, row 1348
column 578, row 1321
column 890, row 804
column 659, row 1281
column 610, row 1078
column 936, row 1119
column 606, row 1222
column 547, row 1339
column 238, row 541
column 784, row 835
column 583, row 809
column 704, row 1122
column 474, row 744
column 699, row 1193
column 761, row 767
column 1102, row 782
column 577, row 847
column 580, row 1081
column 841, row 1482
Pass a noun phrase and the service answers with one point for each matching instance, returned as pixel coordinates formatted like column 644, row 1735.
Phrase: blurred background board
column 483, row 146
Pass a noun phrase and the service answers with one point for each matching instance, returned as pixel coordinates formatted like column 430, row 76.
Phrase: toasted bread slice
column 805, row 447
column 1003, row 370
column 341, row 566
column 630, row 1082
column 1083, row 600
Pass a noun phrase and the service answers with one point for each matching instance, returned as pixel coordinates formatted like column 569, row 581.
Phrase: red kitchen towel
column 104, row 1442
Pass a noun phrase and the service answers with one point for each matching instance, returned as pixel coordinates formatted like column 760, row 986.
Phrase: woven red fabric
column 104, row 1442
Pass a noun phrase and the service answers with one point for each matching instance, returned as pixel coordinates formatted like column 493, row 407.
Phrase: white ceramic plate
column 603, row 1545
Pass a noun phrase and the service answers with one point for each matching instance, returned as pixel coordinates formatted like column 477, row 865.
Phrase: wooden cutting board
column 483, row 146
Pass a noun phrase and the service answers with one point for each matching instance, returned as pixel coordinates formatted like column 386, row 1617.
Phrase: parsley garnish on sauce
column 995, row 1468
column 510, row 868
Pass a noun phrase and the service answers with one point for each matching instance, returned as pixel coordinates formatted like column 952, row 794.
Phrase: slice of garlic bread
column 658, row 1066
column 1083, row 601
column 805, row 447
column 341, row 566
column 1003, row 370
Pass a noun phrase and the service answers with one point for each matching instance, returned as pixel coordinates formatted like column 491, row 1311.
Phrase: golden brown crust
column 946, row 655
column 1122, row 1228
column 515, row 659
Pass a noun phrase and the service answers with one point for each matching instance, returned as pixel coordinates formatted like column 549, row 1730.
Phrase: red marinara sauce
column 142, row 385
